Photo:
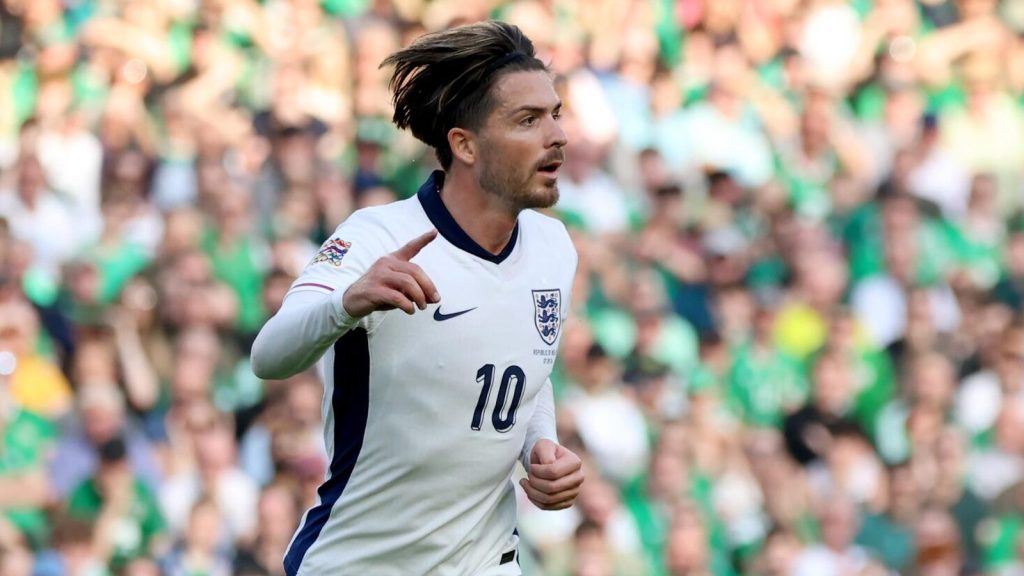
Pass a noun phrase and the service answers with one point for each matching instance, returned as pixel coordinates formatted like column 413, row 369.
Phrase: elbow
column 265, row 370
column 261, row 360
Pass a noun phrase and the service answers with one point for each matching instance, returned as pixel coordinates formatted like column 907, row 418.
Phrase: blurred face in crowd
column 668, row 476
column 903, row 497
column 16, row 561
column 833, row 384
column 295, row 154
column 31, row 180
column 601, row 373
column 938, row 545
column 598, row 501
column 592, row 555
column 519, row 147
column 191, row 380
column 18, row 326
column 113, row 478
column 102, row 415
column 142, row 567
column 215, row 449
column 971, row 9
column 839, row 524
column 854, row 467
column 687, row 549
column 277, row 514
column 1010, row 427
column 274, row 290
column 304, row 394
column 932, row 380
column 924, row 425
column 1009, row 365
column 779, row 554
column 822, row 277
column 95, row 361
column 983, row 195
column 376, row 196
column 1015, row 254
column 204, row 527
column 84, row 281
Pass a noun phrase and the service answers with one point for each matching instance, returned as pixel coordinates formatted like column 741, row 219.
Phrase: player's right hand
column 393, row 282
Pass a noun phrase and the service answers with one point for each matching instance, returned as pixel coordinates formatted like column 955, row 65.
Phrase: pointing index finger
column 414, row 246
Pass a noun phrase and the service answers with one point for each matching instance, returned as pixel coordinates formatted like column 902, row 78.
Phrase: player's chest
column 512, row 317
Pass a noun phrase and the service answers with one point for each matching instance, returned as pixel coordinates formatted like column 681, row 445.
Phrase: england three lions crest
column 547, row 314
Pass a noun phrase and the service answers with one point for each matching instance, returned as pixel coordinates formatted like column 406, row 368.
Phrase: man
column 428, row 412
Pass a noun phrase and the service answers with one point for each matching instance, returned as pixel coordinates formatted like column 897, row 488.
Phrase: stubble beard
column 513, row 187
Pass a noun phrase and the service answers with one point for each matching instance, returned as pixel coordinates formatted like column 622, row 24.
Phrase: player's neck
column 488, row 222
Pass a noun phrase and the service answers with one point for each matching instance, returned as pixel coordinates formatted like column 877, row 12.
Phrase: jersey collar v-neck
column 430, row 198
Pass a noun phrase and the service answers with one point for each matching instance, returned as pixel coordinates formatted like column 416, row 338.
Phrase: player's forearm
column 307, row 324
column 542, row 423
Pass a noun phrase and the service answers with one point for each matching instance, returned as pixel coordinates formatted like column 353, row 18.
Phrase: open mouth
column 551, row 168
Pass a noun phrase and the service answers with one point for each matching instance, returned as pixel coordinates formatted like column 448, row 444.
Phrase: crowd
column 796, row 345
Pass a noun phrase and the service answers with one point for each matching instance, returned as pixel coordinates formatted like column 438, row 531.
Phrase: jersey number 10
column 485, row 376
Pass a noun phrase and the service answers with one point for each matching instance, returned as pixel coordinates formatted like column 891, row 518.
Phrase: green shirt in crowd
column 27, row 438
column 134, row 532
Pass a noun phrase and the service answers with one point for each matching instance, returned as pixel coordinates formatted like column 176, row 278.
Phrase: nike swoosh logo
column 442, row 317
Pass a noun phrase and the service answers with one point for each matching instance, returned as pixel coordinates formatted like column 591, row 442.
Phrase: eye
column 529, row 120
column 557, row 115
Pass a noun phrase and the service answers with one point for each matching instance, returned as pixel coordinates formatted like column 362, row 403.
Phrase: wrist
column 342, row 316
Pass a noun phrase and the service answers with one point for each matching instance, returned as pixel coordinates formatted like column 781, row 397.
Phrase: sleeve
column 542, row 423
column 312, row 317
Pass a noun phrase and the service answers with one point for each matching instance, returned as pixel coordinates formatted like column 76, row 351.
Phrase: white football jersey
column 425, row 415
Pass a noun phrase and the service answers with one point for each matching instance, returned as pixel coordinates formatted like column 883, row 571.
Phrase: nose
column 557, row 137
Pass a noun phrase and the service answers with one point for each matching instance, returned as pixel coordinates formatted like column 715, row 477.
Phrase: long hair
column 444, row 79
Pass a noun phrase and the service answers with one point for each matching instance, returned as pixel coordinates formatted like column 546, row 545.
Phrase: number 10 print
column 485, row 376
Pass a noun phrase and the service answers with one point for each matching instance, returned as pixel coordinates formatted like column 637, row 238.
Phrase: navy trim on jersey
column 350, row 400
column 442, row 219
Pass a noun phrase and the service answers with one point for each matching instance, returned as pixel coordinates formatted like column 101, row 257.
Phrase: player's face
column 521, row 142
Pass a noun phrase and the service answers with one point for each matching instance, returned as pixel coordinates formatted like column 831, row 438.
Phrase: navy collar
column 430, row 198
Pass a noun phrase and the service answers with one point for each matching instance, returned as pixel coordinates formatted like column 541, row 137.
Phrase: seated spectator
column 101, row 418
column 202, row 549
column 123, row 510
column 26, row 443
column 278, row 512
column 836, row 554
column 72, row 550
column 38, row 383
column 807, row 431
column 610, row 423
column 216, row 473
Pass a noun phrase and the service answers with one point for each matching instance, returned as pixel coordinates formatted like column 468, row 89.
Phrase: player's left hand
column 555, row 476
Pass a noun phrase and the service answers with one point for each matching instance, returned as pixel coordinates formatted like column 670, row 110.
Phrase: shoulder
column 386, row 227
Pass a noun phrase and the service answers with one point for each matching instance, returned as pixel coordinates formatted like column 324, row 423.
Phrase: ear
column 463, row 144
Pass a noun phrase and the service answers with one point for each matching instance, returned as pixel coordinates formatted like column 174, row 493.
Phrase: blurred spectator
column 836, row 554
column 102, row 419
column 39, row 218
column 124, row 511
column 27, row 444
column 36, row 384
column 610, row 424
column 278, row 512
column 201, row 549
column 234, row 495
